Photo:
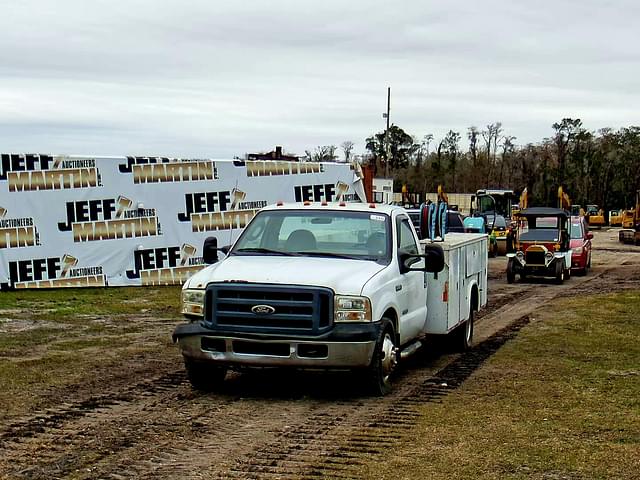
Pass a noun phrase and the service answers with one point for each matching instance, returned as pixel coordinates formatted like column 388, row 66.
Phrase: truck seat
column 300, row 240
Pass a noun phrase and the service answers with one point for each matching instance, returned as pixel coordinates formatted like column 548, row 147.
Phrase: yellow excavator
column 564, row 202
column 632, row 234
column 595, row 216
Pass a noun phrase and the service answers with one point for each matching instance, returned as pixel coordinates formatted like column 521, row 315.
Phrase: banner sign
column 71, row 221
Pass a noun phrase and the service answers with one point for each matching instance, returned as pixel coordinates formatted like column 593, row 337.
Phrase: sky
column 213, row 79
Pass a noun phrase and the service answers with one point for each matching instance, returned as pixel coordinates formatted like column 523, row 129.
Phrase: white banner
column 72, row 221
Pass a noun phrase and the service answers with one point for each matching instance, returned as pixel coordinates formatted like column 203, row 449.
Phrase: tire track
column 254, row 428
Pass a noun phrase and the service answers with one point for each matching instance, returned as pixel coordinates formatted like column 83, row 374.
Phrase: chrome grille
column 296, row 309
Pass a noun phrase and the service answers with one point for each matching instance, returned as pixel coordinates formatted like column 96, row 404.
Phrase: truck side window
column 406, row 240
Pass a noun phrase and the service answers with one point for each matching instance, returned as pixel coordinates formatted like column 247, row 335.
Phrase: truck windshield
column 330, row 233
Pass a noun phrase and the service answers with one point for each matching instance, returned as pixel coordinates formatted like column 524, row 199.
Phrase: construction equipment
column 564, row 202
column 627, row 218
column 632, row 235
column 495, row 206
column 595, row 216
column 615, row 218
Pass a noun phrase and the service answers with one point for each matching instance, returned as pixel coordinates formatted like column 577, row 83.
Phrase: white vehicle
column 328, row 286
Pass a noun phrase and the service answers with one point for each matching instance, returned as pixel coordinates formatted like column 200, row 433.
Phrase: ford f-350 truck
column 343, row 286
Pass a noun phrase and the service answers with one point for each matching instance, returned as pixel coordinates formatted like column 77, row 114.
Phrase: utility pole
column 387, row 148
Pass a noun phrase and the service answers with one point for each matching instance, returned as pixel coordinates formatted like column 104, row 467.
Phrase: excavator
column 632, row 235
column 564, row 202
column 595, row 216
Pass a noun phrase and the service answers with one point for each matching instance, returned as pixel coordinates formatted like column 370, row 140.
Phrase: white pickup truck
column 343, row 286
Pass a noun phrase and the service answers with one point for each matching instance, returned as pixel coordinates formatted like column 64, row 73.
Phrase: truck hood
column 345, row 277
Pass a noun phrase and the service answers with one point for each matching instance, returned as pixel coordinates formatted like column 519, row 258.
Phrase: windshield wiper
column 268, row 251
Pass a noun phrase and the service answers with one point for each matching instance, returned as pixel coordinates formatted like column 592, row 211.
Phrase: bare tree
column 347, row 147
column 490, row 137
column 323, row 153
column 472, row 135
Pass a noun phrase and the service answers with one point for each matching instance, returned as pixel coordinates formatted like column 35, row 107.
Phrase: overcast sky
column 217, row 79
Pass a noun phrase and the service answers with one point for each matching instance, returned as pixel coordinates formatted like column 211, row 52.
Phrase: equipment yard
column 549, row 390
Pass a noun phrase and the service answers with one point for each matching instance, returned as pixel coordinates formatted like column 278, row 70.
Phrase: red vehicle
column 580, row 245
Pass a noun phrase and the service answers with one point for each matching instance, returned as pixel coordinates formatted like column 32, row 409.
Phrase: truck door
column 411, row 288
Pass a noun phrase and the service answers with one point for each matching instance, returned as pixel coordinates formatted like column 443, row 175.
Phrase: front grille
column 534, row 258
column 295, row 309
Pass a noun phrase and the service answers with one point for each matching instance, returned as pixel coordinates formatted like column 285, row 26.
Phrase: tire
column 559, row 276
column 511, row 274
column 510, row 248
column 384, row 361
column 204, row 376
column 462, row 336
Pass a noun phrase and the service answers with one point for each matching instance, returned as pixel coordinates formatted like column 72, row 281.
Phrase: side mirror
column 434, row 258
column 210, row 250
column 589, row 235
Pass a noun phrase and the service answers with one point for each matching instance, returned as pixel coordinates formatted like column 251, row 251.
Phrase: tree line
column 600, row 167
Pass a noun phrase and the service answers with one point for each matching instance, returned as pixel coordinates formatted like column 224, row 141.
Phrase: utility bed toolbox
column 450, row 292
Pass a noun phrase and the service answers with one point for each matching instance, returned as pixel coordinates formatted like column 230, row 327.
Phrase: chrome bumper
column 291, row 353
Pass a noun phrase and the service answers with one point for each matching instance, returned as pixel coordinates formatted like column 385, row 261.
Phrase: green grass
column 69, row 303
column 562, row 400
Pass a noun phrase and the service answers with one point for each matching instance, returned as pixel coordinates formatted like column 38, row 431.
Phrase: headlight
column 577, row 250
column 352, row 309
column 520, row 254
column 193, row 302
column 549, row 254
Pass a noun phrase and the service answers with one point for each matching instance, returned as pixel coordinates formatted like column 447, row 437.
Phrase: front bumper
column 343, row 347
column 546, row 269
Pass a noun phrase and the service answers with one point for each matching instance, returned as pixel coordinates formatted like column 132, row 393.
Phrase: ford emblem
column 263, row 309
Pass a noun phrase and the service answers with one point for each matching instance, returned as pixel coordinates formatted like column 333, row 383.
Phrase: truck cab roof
column 340, row 206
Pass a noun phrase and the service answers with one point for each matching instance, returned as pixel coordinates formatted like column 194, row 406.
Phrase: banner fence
column 76, row 221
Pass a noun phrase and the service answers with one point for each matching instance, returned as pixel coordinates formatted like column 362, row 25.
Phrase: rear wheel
column 204, row 376
column 384, row 361
column 463, row 335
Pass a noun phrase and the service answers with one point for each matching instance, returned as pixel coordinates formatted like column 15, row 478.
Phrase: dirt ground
column 143, row 420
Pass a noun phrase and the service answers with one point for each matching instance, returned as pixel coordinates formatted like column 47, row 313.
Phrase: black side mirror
column 210, row 250
column 434, row 258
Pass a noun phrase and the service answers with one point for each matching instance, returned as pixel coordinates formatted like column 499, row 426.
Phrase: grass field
column 561, row 401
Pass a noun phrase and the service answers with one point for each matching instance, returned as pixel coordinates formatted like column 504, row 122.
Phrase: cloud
column 211, row 78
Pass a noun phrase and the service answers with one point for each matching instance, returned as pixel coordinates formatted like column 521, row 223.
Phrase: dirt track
column 273, row 425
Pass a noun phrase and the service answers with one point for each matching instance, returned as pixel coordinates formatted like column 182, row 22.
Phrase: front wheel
column 511, row 271
column 384, row 361
column 203, row 376
column 559, row 277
